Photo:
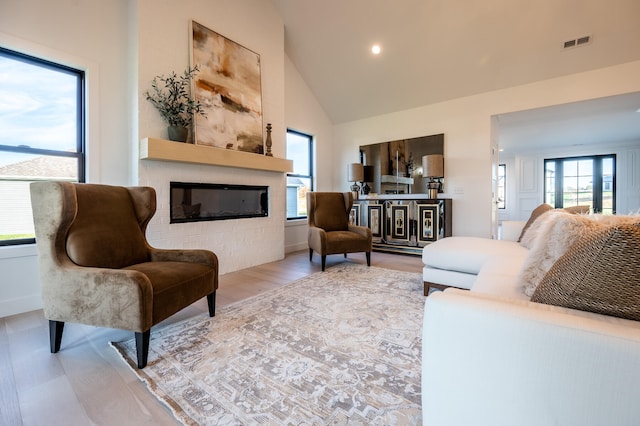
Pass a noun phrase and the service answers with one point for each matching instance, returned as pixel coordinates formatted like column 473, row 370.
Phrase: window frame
column 310, row 176
column 80, row 130
column 597, row 189
column 502, row 166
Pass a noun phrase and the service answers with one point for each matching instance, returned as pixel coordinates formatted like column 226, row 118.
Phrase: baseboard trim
column 20, row 305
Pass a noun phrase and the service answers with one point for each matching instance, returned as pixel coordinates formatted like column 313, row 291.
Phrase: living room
column 123, row 44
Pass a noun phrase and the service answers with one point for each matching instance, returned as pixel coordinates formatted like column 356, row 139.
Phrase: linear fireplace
column 195, row 202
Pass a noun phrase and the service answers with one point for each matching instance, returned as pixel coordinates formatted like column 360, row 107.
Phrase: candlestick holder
column 268, row 142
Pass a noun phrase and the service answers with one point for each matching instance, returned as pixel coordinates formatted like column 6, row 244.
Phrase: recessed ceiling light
column 375, row 49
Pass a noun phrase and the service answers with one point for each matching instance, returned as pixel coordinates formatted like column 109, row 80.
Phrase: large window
column 581, row 181
column 300, row 181
column 42, row 137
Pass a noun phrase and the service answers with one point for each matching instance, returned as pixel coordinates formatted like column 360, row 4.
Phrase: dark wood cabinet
column 403, row 224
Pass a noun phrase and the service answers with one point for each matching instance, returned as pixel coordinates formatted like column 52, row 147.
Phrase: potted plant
column 171, row 97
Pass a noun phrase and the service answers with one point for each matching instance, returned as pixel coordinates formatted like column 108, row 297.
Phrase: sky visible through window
column 37, row 108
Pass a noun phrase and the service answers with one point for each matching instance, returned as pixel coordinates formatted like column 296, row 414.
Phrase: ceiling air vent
column 579, row 41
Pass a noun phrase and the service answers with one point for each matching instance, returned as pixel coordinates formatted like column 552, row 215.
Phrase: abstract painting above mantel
column 228, row 85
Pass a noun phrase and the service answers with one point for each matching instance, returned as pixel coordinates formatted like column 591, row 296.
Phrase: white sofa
column 458, row 261
column 491, row 357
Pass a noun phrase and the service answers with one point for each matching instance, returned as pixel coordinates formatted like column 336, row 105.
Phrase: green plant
column 170, row 95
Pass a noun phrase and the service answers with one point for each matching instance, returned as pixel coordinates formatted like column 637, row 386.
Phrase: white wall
column 466, row 123
column 163, row 46
column 91, row 36
column 303, row 113
column 525, row 179
column 122, row 44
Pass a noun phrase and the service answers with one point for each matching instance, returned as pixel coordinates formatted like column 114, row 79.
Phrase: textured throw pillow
column 599, row 273
column 541, row 209
column 558, row 232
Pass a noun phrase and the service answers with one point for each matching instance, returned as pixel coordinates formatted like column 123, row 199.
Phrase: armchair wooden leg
column 142, row 347
column 55, row 335
column 211, row 301
column 368, row 254
column 324, row 261
column 310, row 254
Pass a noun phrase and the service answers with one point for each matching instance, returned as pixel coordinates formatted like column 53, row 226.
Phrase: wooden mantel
column 163, row 150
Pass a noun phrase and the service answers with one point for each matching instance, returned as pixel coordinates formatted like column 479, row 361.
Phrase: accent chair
column 97, row 268
column 329, row 229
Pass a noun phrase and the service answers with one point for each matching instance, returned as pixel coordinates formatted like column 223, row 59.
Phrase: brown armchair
column 329, row 228
column 97, row 268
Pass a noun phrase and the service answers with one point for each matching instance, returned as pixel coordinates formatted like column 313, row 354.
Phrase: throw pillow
column 615, row 219
column 558, row 232
column 599, row 273
column 577, row 209
column 529, row 238
column 541, row 209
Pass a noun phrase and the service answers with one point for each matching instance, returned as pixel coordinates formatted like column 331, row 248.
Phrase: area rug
column 337, row 347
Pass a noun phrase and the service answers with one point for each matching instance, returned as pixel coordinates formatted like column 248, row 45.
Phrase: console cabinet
column 403, row 225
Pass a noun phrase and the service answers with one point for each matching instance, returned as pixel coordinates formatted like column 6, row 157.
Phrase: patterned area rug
column 337, row 347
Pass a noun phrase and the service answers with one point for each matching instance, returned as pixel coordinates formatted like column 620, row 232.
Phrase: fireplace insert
column 195, row 202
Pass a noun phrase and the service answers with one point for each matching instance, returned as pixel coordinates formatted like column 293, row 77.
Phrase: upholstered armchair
column 97, row 268
column 329, row 229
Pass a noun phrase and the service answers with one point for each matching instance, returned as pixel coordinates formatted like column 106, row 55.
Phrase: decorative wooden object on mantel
column 162, row 150
column 268, row 143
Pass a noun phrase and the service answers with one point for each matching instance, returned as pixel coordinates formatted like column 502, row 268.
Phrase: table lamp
column 433, row 172
column 355, row 173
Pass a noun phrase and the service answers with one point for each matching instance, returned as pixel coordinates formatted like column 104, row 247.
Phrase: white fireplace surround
column 238, row 243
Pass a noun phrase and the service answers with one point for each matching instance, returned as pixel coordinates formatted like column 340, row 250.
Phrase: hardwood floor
column 86, row 383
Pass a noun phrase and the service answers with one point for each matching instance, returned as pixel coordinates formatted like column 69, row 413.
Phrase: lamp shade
column 433, row 166
column 355, row 172
column 368, row 173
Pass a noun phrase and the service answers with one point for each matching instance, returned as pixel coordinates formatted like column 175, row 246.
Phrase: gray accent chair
column 97, row 268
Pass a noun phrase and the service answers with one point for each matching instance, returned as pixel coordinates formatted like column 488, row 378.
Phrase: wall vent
column 579, row 41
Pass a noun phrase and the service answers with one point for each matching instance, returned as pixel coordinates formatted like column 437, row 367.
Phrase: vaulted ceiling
column 436, row 50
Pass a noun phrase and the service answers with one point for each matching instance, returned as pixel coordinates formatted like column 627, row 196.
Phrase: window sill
column 24, row 250
column 295, row 222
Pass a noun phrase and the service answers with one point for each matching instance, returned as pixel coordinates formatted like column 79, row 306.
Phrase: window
column 42, row 122
column 581, row 181
column 502, row 186
column 300, row 181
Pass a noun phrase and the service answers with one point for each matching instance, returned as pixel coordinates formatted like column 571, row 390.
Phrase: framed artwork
column 428, row 222
column 374, row 218
column 399, row 222
column 354, row 215
column 228, row 86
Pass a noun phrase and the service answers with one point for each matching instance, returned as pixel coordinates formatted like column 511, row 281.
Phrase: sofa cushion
column 541, row 209
column 599, row 273
column 448, row 278
column 465, row 254
column 498, row 276
column 558, row 232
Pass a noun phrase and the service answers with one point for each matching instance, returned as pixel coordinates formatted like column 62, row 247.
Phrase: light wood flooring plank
column 10, row 411
column 87, row 383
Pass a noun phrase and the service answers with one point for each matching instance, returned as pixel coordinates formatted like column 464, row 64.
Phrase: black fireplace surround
column 196, row 202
